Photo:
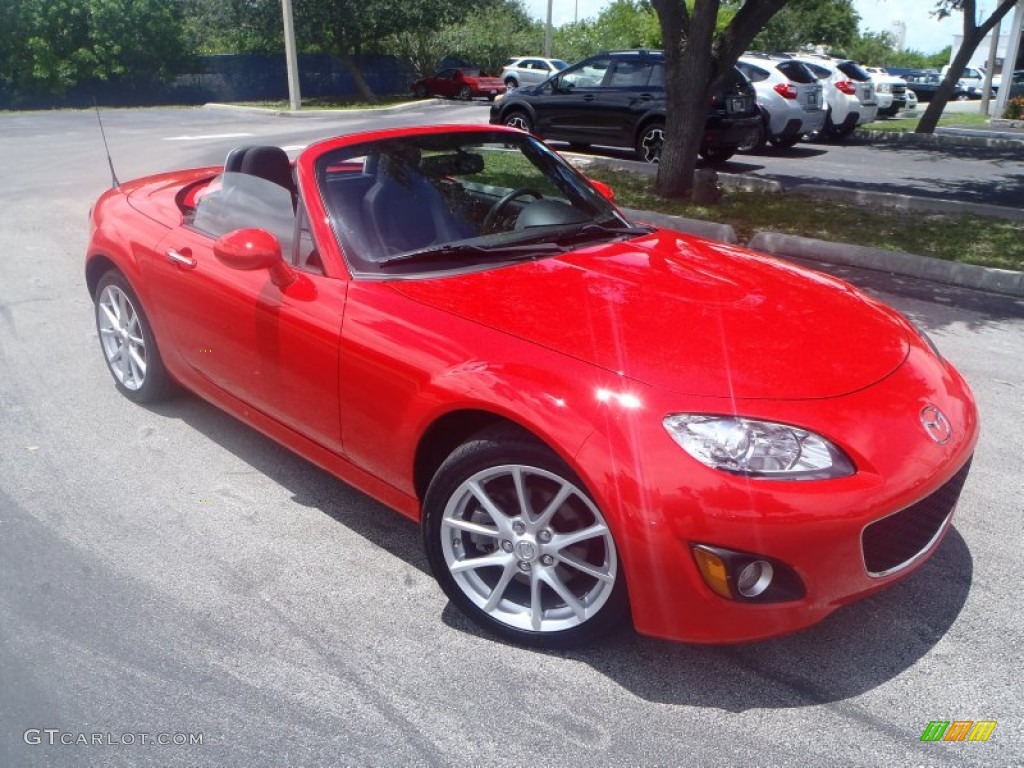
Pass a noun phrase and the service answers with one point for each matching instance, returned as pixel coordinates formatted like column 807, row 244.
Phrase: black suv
column 617, row 99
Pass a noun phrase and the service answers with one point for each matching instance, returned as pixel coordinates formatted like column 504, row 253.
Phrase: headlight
column 884, row 88
column 756, row 448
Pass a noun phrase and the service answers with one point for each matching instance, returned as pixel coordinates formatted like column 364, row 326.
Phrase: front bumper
column 816, row 528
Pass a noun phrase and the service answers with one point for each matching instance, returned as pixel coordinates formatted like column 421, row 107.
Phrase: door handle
column 179, row 259
column 589, row 97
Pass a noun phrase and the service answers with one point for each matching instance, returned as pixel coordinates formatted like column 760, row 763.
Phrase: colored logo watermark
column 958, row 730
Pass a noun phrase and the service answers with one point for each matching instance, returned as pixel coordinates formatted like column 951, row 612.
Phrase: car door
column 274, row 349
column 444, row 83
column 586, row 103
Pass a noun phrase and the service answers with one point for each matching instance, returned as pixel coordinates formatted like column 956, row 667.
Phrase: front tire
column 129, row 347
column 518, row 545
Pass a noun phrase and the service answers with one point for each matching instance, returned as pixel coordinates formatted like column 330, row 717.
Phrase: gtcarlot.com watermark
column 56, row 736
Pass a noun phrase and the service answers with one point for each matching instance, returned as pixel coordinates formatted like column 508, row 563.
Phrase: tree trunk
column 357, row 76
column 688, row 73
column 973, row 35
column 931, row 115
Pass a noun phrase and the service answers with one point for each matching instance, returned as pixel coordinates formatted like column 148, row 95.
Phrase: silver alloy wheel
column 651, row 143
column 517, row 121
column 121, row 337
column 528, row 548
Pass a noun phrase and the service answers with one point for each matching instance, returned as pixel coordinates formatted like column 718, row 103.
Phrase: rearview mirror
column 252, row 249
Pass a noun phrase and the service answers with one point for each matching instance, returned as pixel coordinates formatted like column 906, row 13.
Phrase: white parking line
column 207, row 136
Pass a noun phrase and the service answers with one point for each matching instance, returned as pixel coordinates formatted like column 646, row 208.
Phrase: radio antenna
column 103, row 133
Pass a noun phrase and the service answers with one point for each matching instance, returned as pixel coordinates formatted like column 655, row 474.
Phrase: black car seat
column 404, row 211
column 270, row 163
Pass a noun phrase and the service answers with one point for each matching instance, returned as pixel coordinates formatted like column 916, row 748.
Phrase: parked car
column 789, row 97
column 890, row 91
column 589, row 419
column 849, row 93
column 459, row 83
column 926, row 84
column 911, row 104
column 617, row 99
column 529, row 70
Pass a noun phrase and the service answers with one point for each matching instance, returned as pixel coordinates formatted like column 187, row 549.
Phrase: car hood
column 686, row 314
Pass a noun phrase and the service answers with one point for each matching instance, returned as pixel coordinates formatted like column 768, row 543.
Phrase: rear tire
column 785, row 142
column 756, row 141
column 716, row 155
column 517, row 118
column 127, row 341
column 465, row 94
column 650, row 142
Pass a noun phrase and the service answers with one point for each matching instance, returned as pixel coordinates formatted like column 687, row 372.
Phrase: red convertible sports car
column 459, row 83
column 589, row 418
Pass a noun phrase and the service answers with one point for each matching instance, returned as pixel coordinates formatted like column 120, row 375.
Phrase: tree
column 51, row 46
column 872, row 48
column 623, row 24
column 343, row 28
column 804, row 23
column 974, row 33
column 698, row 55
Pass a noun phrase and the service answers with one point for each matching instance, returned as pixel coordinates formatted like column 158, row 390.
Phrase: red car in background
column 460, row 83
column 589, row 419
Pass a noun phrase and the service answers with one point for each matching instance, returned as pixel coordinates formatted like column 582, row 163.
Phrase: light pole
column 291, row 59
column 547, row 33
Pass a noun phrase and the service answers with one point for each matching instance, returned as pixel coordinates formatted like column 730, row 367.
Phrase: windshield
column 459, row 200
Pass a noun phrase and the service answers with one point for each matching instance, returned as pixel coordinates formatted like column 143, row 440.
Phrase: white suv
column 529, row 70
column 890, row 91
column 789, row 96
column 849, row 91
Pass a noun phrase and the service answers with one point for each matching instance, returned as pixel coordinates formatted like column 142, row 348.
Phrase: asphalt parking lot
column 169, row 571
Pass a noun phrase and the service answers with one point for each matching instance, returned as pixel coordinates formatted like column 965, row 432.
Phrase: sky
column 924, row 33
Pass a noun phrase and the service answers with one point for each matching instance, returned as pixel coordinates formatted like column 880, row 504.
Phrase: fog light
column 755, row 578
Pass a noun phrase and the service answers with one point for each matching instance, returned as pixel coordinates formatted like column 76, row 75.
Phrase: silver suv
column 789, row 96
column 529, row 70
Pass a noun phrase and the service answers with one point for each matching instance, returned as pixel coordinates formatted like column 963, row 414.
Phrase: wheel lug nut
column 544, row 536
column 524, row 566
column 519, row 527
column 506, row 545
column 548, row 560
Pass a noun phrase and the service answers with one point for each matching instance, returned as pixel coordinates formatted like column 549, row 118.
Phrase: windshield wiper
column 457, row 249
column 593, row 228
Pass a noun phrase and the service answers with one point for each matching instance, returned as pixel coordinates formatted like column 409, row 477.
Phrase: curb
column 307, row 113
column 1003, row 281
column 902, row 202
column 947, row 136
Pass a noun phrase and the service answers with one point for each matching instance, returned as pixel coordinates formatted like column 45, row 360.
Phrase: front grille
column 894, row 542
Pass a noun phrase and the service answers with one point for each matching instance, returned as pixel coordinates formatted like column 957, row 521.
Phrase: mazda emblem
column 935, row 424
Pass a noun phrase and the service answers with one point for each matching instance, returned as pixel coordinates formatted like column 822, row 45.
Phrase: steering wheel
column 499, row 207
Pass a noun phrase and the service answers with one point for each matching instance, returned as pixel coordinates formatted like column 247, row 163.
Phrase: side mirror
column 252, row 249
column 606, row 192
